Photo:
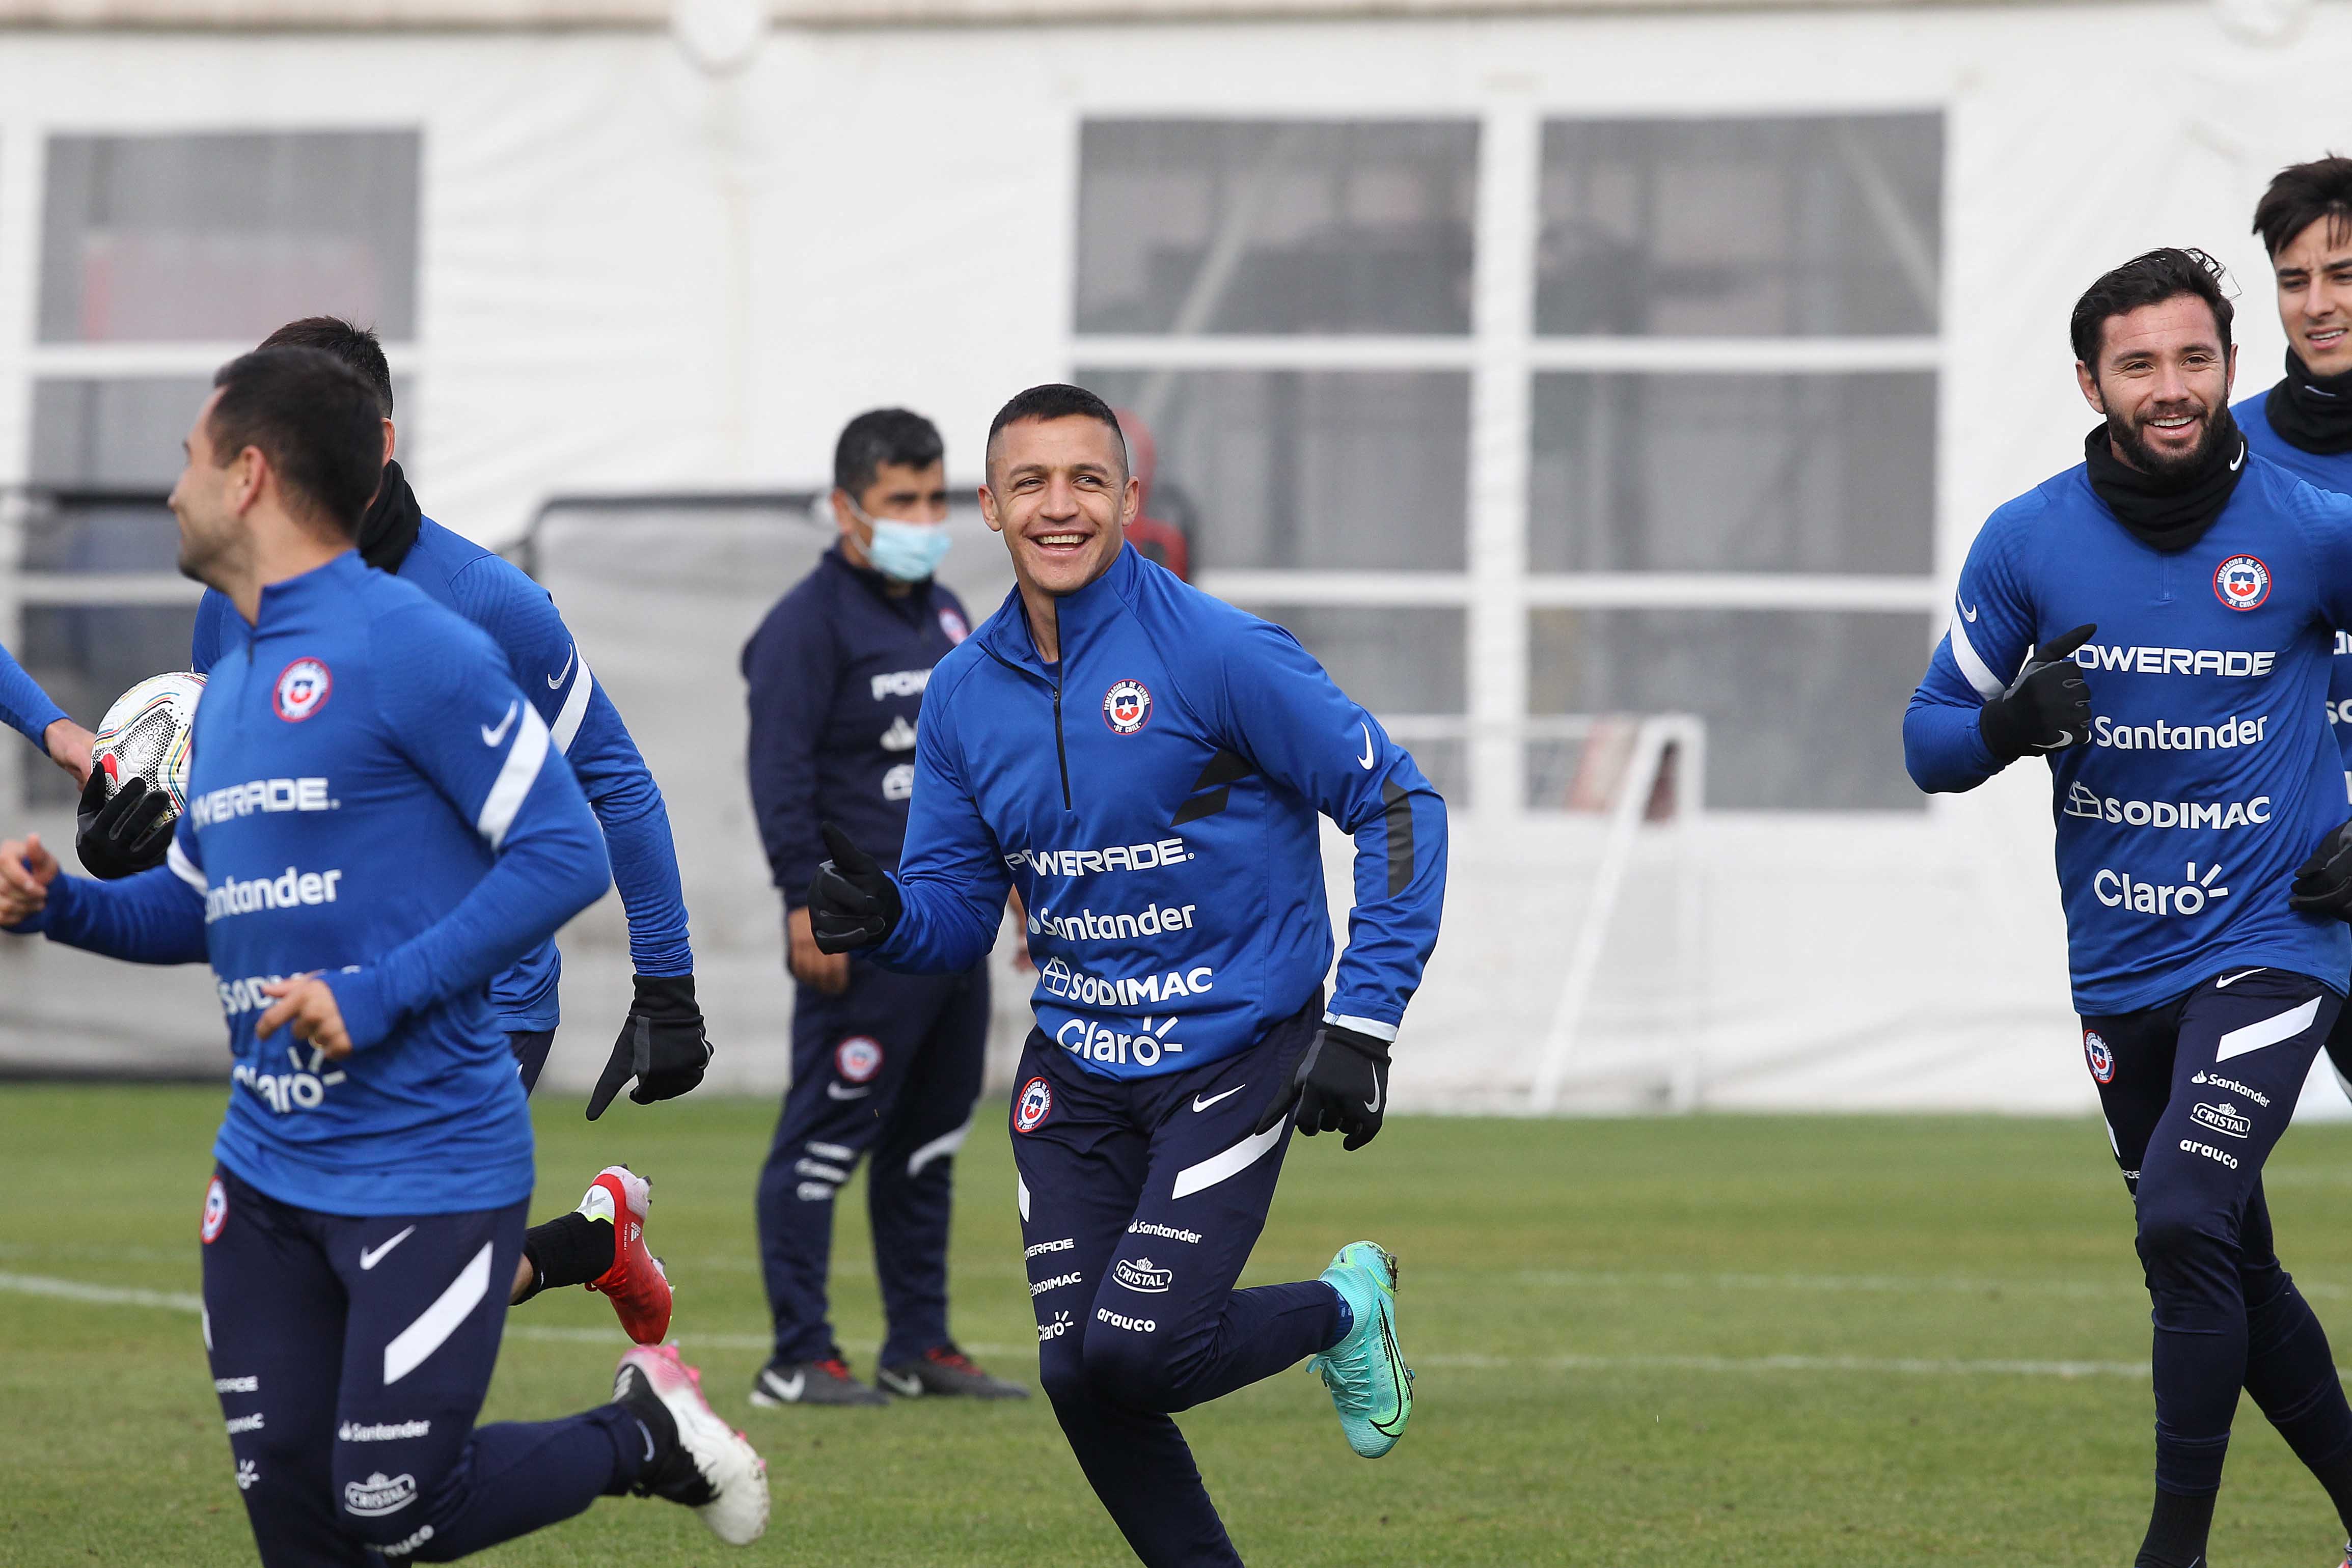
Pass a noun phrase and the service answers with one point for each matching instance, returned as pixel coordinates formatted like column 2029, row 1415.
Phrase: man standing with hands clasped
column 1144, row 765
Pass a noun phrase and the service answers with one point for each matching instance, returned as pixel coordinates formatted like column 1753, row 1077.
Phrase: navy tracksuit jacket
column 889, row 1067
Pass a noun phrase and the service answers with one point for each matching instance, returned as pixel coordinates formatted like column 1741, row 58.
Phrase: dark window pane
column 1392, row 659
column 179, row 238
column 1733, row 473
column 86, row 655
column 1334, row 470
column 1803, row 709
column 1229, row 225
column 120, row 434
column 1770, row 227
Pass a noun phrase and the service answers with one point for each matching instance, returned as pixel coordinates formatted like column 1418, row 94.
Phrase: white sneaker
column 699, row 1460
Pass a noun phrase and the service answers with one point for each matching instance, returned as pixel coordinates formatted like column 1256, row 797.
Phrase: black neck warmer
column 389, row 529
column 2171, row 514
column 2311, row 414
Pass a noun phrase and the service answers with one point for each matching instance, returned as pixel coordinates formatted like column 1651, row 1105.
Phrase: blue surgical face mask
column 904, row 551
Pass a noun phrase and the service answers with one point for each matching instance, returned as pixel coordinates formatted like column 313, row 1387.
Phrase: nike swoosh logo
column 897, row 1382
column 786, row 1388
column 2059, row 745
column 2241, row 462
column 2227, row 980
column 493, row 737
column 1966, row 614
column 555, row 680
column 1202, row 1102
column 835, row 1092
column 1367, row 758
column 1380, row 1093
column 370, row 1258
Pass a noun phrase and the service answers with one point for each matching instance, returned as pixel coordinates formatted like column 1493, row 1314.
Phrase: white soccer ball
column 145, row 735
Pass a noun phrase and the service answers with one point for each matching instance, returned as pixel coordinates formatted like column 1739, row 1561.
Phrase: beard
column 2132, row 444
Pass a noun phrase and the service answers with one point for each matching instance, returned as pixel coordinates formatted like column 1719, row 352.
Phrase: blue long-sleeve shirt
column 542, row 659
column 1154, row 796
column 2326, row 471
column 371, row 799
column 24, row 707
column 2209, row 775
column 835, row 678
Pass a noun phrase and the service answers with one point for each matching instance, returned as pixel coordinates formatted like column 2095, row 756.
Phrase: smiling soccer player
column 2125, row 620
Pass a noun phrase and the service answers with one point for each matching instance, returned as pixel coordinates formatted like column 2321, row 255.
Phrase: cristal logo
column 380, row 1494
column 2223, row 1118
column 1142, row 1276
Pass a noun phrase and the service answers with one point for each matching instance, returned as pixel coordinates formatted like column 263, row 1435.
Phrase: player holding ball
column 1145, row 765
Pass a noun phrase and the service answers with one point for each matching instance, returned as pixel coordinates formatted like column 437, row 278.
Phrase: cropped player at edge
column 1146, row 764
column 28, row 710
column 375, row 1160
column 2172, row 585
column 601, row 1245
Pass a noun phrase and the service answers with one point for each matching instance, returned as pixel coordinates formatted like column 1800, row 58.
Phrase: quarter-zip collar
column 300, row 601
column 1078, row 618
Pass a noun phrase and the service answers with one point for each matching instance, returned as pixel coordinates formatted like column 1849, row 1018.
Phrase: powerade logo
column 2086, row 802
column 259, row 795
column 2176, row 661
column 1085, row 862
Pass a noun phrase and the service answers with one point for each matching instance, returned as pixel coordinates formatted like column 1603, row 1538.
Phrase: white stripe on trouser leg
column 1964, row 653
column 420, row 1339
column 208, row 1327
column 2269, row 1031
column 1233, row 1162
column 938, row 1148
column 2341, row 1082
column 575, row 705
column 515, row 779
column 1021, row 1196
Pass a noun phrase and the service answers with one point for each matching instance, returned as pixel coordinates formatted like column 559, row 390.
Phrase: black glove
column 853, row 903
column 662, row 1045
column 2323, row 883
column 129, row 832
column 1340, row 1085
column 2047, row 708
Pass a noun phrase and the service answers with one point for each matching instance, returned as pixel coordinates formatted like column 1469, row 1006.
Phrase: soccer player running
column 882, row 1064
column 1145, row 765
column 372, row 1170
column 601, row 1245
column 2158, row 623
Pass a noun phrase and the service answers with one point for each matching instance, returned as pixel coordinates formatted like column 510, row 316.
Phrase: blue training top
column 2208, row 776
column 2327, row 471
column 370, row 797
column 1154, row 796
column 24, row 707
column 542, row 657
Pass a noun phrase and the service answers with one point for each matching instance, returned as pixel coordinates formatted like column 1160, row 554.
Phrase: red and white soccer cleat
column 695, row 1457
column 635, row 1284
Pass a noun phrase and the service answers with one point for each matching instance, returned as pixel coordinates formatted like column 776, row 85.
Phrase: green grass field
column 1723, row 1340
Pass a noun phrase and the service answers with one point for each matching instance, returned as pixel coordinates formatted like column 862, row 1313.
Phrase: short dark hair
column 882, row 435
column 356, row 346
column 1058, row 400
column 2150, row 278
column 314, row 418
column 2301, row 194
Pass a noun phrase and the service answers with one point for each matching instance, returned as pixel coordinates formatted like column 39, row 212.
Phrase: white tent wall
column 635, row 277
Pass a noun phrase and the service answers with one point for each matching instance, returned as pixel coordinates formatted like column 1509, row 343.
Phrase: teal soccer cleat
column 1371, row 1387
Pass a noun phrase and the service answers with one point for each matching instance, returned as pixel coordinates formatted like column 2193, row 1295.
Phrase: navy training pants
column 891, row 1069
column 1140, row 1200
column 350, row 1356
column 2197, row 1092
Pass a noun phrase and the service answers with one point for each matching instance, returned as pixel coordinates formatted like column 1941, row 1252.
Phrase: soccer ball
column 145, row 736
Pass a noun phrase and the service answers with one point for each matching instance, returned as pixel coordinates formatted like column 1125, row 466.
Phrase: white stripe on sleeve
column 185, row 868
column 515, row 779
column 1987, row 683
column 1372, row 1027
column 575, row 705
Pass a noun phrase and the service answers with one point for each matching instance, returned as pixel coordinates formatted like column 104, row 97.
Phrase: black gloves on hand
column 2047, row 708
column 662, row 1045
column 2323, row 883
column 853, row 903
column 131, row 832
column 1341, row 1085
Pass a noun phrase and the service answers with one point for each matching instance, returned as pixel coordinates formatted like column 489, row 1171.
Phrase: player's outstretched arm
column 26, row 708
column 155, row 917
column 454, row 712
column 1983, row 704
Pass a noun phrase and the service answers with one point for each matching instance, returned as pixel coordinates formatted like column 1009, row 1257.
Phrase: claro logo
column 2121, row 890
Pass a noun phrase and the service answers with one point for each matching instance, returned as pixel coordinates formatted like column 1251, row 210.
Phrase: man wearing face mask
column 883, row 1064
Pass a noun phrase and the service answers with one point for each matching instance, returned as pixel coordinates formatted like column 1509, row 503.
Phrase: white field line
column 180, row 1302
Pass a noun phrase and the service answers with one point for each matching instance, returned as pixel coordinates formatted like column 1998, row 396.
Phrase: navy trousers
column 2197, row 1092
column 350, row 1356
column 530, row 1048
column 1140, row 1200
column 890, row 1069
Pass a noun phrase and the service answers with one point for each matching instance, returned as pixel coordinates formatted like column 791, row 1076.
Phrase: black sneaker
column 944, row 1369
column 826, row 1382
